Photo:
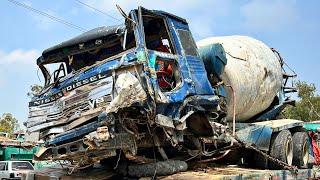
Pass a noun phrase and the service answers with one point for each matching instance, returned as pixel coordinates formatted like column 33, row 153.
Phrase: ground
column 201, row 171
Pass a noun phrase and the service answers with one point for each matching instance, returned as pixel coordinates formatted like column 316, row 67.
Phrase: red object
column 162, row 48
column 163, row 71
column 169, row 69
column 162, row 74
column 316, row 149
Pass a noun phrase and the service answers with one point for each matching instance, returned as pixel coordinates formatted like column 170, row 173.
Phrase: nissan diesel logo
column 47, row 100
column 71, row 87
column 86, row 81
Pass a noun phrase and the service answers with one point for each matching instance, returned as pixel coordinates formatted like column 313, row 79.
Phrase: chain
column 267, row 156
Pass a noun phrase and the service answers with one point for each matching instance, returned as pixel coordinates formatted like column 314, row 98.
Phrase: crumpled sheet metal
column 83, row 102
column 93, row 138
column 129, row 91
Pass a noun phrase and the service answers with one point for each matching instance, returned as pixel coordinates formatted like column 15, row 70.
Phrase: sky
column 290, row 26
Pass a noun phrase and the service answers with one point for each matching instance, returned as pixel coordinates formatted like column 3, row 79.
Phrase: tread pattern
column 277, row 147
column 299, row 140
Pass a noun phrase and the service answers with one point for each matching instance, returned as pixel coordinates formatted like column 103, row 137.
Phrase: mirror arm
column 123, row 14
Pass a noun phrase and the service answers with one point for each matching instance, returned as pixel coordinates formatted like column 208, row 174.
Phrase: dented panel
column 141, row 86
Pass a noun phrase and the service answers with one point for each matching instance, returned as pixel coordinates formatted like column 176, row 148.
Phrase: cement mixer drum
column 250, row 67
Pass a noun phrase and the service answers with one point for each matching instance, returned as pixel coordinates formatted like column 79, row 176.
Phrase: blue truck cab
column 112, row 85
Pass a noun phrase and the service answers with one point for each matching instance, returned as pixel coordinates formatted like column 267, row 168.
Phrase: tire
column 281, row 148
column 161, row 168
column 300, row 149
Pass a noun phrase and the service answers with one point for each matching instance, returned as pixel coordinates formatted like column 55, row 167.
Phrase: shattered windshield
column 86, row 56
column 156, row 34
column 157, row 39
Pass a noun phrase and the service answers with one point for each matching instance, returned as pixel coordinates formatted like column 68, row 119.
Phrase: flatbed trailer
column 208, row 172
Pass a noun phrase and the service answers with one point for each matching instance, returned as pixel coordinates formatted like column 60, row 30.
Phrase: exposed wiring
column 219, row 157
column 192, row 157
column 124, row 127
column 62, row 21
column 118, row 161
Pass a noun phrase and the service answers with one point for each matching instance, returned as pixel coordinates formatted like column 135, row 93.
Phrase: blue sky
column 291, row 26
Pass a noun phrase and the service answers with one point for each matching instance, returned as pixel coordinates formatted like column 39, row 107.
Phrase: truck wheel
column 281, row 148
column 300, row 149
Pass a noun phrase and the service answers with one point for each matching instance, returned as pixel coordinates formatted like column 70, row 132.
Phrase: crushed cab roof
column 96, row 33
column 66, row 48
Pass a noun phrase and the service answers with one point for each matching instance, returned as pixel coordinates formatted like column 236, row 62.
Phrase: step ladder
column 288, row 76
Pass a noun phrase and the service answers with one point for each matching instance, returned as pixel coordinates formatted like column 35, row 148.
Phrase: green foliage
column 8, row 123
column 34, row 90
column 308, row 106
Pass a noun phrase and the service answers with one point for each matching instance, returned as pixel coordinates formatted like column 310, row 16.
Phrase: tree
column 308, row 106
column 8, row 123
column 34, row 90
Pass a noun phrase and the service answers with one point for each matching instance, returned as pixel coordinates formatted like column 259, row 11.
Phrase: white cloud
column 19, row 56
column 19, row 65
column 269, row 15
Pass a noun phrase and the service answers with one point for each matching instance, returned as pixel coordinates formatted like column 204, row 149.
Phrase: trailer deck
column 237, row 173
column 219, row 173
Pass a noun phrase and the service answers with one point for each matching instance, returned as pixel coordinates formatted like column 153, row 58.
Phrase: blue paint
column 259, row 135
column 193, row 75
column 105, row 67
column 191, row 67
column 83, row 130
column 214, row 58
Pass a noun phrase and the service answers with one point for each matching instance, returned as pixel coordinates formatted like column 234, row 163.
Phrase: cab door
column 167, row 68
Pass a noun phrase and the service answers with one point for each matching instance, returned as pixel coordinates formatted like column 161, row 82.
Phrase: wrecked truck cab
column 130, row 89
column 114, row 87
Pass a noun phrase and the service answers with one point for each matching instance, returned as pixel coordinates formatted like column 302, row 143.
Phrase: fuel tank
column 249, row 66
